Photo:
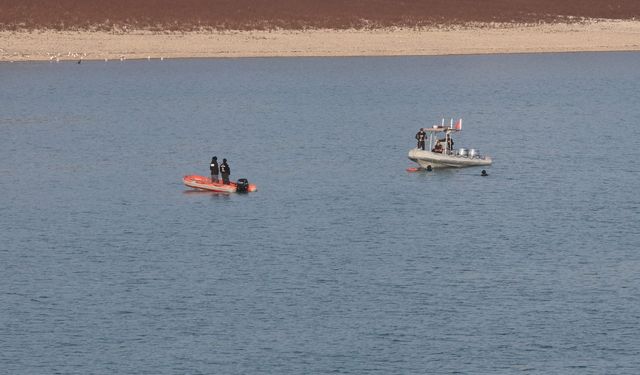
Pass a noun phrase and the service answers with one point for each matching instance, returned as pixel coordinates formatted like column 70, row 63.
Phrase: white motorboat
column 441, row 153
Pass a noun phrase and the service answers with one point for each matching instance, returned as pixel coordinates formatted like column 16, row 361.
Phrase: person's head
column 484, row 173
column 224, row 160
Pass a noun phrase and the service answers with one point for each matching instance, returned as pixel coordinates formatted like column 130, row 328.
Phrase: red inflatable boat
column 205, row 183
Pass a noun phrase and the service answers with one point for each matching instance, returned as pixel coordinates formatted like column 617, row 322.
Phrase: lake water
column 342, row 262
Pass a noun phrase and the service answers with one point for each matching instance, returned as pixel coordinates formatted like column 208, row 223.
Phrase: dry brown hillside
column 296, row 14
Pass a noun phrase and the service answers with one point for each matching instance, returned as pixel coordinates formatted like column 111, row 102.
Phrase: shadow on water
column 205, row 192
column 449, row 172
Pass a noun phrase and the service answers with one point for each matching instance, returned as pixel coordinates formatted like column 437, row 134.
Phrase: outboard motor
column 242, row 186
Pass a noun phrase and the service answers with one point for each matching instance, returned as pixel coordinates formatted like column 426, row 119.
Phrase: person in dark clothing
column 214, row 169
column 420, row 136
column 449, row 142
column 225, row 171
column 438, row 147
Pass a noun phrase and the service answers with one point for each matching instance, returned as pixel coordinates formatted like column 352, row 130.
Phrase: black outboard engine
column 242, row 186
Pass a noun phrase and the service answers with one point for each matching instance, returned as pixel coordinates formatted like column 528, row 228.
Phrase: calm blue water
column 342, row 262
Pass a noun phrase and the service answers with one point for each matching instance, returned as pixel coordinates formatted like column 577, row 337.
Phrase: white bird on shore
column 148, row 58
column 162, row 59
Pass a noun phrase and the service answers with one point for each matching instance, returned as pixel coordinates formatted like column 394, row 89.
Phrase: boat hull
column 437, row 160
column 205, row 183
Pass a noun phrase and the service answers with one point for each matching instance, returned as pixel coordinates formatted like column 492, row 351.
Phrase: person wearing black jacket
column 420, row 136
column 214, row 169
column 449, row 141
column 225, row 171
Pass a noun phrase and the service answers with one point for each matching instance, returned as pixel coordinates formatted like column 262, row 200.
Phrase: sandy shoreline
column 480, row 39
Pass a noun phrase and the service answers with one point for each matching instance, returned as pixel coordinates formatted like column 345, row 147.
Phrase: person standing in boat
column 214, row 169
column 225, row 171
column 421, row 136
column 449, row 140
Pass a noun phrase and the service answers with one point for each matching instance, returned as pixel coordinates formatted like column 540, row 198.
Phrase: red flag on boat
column 458, row 125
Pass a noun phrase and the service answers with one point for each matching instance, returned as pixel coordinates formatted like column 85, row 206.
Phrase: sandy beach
column 605, row 35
